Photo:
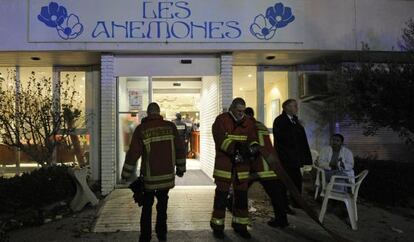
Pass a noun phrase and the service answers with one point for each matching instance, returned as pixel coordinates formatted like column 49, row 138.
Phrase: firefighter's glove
column 137, row 188
column 245, row 151
column 238, row 158
column 254, row 149
column 179, row 173
column 241, row 152
column 139, row 198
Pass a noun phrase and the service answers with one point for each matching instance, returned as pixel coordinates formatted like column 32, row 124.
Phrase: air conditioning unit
column 313, row 85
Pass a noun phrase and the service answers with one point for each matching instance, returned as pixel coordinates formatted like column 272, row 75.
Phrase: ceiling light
column 35, row 58
column 270, row 57
column 250, row 75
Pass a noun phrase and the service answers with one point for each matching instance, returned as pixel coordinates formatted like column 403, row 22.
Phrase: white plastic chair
column 349, row 198
column 308, row 168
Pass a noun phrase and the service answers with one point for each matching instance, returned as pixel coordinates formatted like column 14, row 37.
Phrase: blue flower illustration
column 71, row 28
column 279, row 16
column 264, row 26
column 53, row 15
column 261, row 28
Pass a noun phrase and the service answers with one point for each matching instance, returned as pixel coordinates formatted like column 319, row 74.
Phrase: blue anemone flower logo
column 71, row 28
column 279, row 16
column 264, row 26
column 261, row 28
column 55, row 16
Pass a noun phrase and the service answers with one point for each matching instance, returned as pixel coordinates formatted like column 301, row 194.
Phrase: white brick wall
column 215, row 96
column 209, row 110
column 226, row 81
column 108, row 125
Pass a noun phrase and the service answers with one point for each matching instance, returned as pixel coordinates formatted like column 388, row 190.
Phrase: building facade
column 193, row 56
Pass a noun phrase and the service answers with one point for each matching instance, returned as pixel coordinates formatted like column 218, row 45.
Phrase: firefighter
column 262, row 171
column 235, row 140
column 163, row 157
column 183, row 131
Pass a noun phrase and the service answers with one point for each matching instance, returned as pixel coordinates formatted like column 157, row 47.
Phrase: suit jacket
column 291, row 142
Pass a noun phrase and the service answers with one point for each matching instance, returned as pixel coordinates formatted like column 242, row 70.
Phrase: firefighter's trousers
column 240, row 210
column 161, row 224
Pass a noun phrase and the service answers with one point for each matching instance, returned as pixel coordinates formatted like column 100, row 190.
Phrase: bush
column 388, row 182
column 3, row 235
column 36, row 189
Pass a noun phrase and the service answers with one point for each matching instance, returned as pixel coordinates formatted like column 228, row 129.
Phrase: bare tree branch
column 33, row 120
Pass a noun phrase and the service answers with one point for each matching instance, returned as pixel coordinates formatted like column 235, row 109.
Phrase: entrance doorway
column 190, row 96
column 179, row 98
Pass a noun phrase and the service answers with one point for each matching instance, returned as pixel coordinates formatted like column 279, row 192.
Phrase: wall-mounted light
column 249, row 75
column 241, row 88
column 35, row 58
column 275, row 92
column 270, row 57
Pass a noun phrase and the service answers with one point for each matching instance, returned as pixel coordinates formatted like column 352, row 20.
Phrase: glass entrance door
column 194, row 97
column 134, row 95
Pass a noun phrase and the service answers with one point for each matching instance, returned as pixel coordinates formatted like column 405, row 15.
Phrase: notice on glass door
column 135, row 100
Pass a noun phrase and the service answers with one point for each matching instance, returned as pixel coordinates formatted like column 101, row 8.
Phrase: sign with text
column 195, row 21
column 135, row 99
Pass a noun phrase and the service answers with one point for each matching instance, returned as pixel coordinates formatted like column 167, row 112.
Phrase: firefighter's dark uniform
column 261, row 170
column 162, row 152
column 227, row 133
column 183, row 132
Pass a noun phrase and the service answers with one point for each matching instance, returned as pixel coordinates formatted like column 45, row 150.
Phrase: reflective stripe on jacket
column 226, row 133
column 162, row 150
column 260, row 168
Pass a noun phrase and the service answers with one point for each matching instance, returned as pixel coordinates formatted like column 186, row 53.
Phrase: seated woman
column 336, row 159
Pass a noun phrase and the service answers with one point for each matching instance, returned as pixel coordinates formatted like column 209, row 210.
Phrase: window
column 73, row 86
column 7, row 155
column 276, row 92
column 43, row 75
column 13, row 161
column 133, row 99
column 244, row 85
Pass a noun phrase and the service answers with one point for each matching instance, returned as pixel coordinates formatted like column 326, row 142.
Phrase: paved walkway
column 189, row 208
column 194, row 178
column 189, row 214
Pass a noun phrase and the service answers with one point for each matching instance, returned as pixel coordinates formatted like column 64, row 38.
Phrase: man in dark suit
column 291, row 143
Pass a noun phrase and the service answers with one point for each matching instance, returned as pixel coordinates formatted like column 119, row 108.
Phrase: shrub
column 388, row 182
column 36, row 189
column 3, row 235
